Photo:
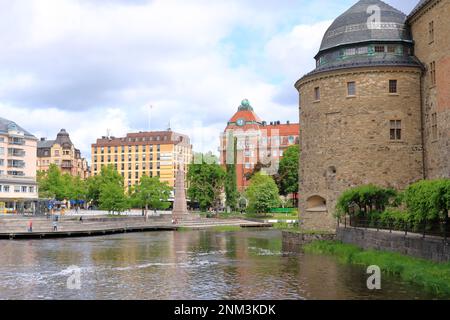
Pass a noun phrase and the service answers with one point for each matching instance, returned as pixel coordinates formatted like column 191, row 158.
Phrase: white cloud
column 88, row 66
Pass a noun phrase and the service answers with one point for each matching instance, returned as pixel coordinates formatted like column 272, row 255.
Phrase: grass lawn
column 434, row 277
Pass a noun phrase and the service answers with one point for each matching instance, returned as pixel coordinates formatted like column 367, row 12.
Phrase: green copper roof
column 245, row 106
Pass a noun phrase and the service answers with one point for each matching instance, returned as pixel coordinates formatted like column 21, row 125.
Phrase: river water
column 183, row 265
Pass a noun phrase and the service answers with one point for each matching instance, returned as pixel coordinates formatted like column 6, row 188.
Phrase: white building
column 18, row 187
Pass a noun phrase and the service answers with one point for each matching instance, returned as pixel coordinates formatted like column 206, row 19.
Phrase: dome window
column 380, row 49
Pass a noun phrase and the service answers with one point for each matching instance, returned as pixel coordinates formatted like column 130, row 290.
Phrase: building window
column 393, row 86
column 396, row 130
column 433, row 73
column 317, row 93
column 5, row 188
column 431, row 31
column 434, row 126
column 351, row 88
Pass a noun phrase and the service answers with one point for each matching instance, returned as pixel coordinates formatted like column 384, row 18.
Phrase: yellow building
column 62, row 153
column 144, row 153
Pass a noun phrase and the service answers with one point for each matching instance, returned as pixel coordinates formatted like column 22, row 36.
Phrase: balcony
column 67, row 165
column 16, row 174
column 16, row 141
column 16, row 153
column 16, row 164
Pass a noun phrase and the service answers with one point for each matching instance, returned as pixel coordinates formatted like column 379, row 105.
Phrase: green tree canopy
column 94, row 184
column 206, row 182
column 262, row 194
column 231, row 191
column 112, row 197
column 287, row 178
column 55, row 185
column 151, row 193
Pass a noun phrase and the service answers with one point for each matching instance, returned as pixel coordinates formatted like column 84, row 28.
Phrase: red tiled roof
column 247, row 115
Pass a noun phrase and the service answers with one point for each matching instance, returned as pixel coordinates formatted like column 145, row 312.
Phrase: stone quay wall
column 430, row 248
column 292, row 241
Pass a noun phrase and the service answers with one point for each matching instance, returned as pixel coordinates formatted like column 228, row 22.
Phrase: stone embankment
column 17, row 227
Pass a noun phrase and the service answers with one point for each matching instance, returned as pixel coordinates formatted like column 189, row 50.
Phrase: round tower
column 360, row 110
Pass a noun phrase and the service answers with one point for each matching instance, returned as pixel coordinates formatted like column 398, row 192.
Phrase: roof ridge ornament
column 245, row 106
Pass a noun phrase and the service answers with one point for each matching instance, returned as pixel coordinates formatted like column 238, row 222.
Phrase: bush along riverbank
column 434, row 277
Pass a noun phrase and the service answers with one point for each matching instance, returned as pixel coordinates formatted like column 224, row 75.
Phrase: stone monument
column 180, row 210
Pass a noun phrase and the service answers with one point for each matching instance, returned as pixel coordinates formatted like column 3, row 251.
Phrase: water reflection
column 183, row 265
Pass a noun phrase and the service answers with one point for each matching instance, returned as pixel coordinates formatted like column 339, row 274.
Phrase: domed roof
column 353, row 27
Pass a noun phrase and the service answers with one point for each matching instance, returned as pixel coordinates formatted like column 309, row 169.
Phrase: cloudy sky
column 93, row 65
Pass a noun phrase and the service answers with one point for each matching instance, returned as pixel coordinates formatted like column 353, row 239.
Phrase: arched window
column 316, row 203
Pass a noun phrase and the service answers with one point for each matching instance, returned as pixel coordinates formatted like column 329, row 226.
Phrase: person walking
column 55, row 225
column 30, row 226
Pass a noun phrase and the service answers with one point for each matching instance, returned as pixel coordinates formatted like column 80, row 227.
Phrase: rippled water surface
column 183, row 265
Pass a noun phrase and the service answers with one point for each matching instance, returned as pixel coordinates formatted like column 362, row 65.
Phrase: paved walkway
column 15, row 227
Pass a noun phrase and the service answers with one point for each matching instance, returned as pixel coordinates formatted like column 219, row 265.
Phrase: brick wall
column 435, row 98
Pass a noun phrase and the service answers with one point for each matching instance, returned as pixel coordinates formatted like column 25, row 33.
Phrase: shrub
column 364, row 200
column 428, row 200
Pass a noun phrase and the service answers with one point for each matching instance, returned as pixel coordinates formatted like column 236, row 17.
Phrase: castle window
column 317, row 93
column 434, row 127
column 433, row 73
column 391, row 49
column 392, row 86
column 351, row 88
column 396, row 130
column 431, row 31
column 379, row 49
column 363, row 50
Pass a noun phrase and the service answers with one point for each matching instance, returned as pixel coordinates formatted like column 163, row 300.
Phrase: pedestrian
column 30, row 226
column 81, row 219
column 55, row 226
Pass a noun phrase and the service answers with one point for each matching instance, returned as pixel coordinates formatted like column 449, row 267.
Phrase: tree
column 112, row 197
column 231, row 180
column 206, row 182
column 287, row 178
column 52, row 184
column 262, row 194
column 94, row 184
column 152, row 193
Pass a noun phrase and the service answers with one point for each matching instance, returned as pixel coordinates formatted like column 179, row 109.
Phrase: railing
column 16, row 154
column 436, row 229
column 17, row 142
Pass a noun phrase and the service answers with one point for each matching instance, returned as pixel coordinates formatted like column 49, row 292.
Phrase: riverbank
column 434, row 277
column 16, row 228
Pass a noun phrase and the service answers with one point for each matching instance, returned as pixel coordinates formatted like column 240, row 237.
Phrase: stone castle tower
column 362, row 109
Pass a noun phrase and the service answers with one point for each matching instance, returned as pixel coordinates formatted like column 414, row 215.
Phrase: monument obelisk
column 180, row 210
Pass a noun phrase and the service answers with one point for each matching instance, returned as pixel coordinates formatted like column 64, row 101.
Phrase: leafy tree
column 287, row 178
column 262, row 194
column 206, row 182
column 152, row 193
column 52, row 184
column 107, row 175
column 112, row 197
column 231, row 191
